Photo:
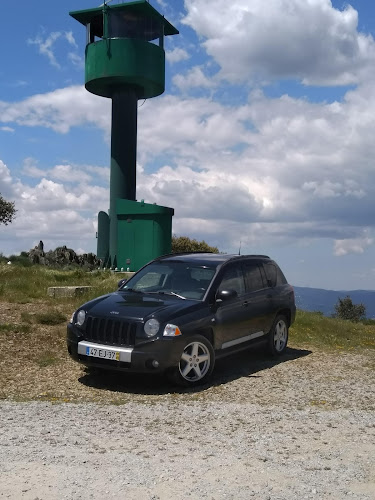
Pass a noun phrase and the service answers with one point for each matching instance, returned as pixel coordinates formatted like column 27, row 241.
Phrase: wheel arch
column 208, row 334
column 287, row 313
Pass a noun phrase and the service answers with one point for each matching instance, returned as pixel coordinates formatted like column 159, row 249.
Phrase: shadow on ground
column 244, row 364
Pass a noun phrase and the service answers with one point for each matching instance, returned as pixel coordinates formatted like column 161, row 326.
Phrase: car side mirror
column 121, row 282
column 223, row 295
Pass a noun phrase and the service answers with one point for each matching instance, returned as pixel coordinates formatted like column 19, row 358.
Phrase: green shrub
column 345, row 309
column 46, row 359
column 14, row 328
column 51, row 318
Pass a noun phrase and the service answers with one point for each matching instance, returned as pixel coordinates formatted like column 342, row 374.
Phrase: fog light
column 155, row 364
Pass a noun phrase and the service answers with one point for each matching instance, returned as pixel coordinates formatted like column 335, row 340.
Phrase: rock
column 62, row 257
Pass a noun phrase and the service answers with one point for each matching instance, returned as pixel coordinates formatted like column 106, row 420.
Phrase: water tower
column 125, row 61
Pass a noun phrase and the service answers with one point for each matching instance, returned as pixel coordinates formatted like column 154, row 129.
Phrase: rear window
column 274, row 274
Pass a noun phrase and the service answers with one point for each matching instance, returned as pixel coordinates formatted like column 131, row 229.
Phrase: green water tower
column 125, row 61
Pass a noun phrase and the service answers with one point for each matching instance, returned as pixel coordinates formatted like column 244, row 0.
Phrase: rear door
column 249, row 315
column 282, row 295
column 258, row 298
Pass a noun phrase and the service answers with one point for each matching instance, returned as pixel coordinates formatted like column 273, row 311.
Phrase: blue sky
column 264, row 136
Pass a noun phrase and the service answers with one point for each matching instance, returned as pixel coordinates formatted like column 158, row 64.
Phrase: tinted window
column 233, row 280
column 178, row 277
column 253, row 275
column 281, row 280
column 271, row 273
column 274, row 274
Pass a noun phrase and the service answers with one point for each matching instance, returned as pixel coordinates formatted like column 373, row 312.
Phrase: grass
column 46, row 359
column 34, row 362
column 15, row 328
column 52, row 317
column 26, row 284
column 316, row 330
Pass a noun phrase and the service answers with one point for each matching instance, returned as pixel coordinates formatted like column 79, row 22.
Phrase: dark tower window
column 130, row 25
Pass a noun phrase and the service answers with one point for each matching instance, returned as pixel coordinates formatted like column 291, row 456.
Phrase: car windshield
column 181, row 279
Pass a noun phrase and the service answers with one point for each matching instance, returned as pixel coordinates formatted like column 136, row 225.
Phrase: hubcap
column 280, row 336
column 194, row 362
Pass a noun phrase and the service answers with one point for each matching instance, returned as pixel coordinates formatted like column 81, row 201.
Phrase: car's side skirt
column 234, row 342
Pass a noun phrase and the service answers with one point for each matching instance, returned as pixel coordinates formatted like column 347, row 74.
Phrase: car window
column 149, row 280
column 281, row 280
column 274, row 274
column 254, row 280
column 174, row 277
column 233, row 279
column 271, row 273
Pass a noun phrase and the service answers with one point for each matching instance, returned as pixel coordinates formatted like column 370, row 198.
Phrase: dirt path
column 300, row 428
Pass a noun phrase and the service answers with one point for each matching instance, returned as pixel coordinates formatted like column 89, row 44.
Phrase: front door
column 231, row 318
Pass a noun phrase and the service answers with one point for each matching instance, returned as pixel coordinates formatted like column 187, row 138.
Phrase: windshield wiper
column 131, row 290
column 172, row 293
column 160, row 292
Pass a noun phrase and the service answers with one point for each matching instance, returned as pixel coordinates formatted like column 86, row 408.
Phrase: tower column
column 123, row 157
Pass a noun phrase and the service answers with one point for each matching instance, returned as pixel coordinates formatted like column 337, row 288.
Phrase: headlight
column 81, row 316
column 151, row 327
column 171, row 331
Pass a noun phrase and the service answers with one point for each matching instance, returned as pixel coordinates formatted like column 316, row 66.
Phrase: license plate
column 102, row 353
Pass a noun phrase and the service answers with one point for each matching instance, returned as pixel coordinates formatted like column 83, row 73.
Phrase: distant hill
column 316, row 299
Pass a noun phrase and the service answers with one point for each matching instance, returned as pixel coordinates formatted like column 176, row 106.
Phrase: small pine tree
column 345, row 309
column 185, row 244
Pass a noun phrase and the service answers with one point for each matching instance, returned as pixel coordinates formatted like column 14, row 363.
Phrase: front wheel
column 278, row 336
column 196, row 363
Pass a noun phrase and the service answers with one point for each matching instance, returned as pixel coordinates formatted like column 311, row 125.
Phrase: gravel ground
column 301, row 428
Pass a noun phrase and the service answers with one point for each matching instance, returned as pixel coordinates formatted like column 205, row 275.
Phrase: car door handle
column 245, row 303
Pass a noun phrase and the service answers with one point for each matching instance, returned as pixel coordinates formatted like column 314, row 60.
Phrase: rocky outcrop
column 62, row 257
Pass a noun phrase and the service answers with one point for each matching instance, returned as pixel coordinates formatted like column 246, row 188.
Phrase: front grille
column 110, row 331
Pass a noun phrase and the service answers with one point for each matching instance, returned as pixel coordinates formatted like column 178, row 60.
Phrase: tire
column 278, row 336
column 196, row 363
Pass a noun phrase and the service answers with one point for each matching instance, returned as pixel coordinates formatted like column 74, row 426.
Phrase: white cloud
column 67, row 173
column 51, row 211
column 307, row 40
column 7, row 129
column 76, row 60
column 176, row 55
column 351, row 246
column 46, row 46
column 278, row 169
column 70, row 38
column 193, row 78
column 5, row 180
column 59, row 110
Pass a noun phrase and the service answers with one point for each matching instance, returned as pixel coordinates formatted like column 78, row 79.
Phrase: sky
column 263, row 141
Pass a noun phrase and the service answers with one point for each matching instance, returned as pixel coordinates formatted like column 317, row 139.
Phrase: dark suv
column 181, row 312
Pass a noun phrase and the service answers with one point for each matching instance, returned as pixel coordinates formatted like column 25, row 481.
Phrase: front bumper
column 152, row 356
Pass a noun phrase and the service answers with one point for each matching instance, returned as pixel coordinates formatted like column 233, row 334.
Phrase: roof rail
column 183, row 253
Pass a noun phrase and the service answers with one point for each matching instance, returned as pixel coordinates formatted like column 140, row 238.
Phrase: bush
column 185, row 244
column 345, row 309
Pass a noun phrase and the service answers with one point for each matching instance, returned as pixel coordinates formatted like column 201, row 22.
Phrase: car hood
column 138, row 306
